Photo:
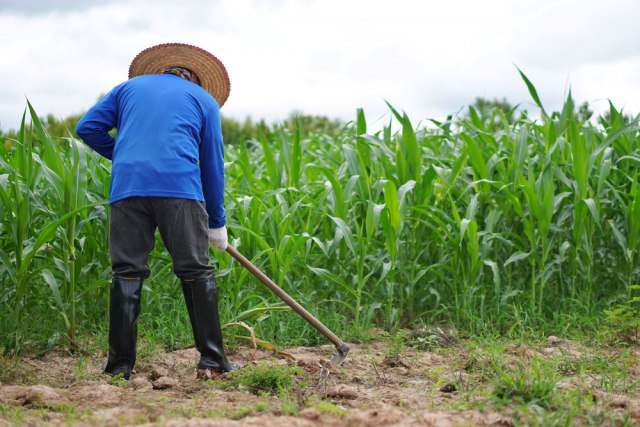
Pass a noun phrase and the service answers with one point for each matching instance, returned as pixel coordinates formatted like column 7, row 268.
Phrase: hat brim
column 211, row 72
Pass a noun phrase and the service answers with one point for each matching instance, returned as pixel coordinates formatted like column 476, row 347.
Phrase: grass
column 532, row 382
column 245, row 411
column 395, row 351
column 263, row 378
column 538, row 384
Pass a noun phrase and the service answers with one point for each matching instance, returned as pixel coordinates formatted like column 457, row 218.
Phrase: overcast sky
column 329, row 57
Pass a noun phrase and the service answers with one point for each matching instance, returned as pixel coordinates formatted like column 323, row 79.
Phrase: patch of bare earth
column 163, row 391
column 364, row 391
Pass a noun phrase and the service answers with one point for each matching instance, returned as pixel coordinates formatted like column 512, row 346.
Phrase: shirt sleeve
column 212, row 168
column 95, row 125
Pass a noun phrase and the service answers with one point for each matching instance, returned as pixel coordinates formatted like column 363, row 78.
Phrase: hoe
column 341, row 347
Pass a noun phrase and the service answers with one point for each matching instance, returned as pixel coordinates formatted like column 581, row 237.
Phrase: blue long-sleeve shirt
column 169, row 141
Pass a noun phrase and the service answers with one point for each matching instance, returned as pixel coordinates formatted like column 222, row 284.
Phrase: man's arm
column 95, row 125
column 212, row 168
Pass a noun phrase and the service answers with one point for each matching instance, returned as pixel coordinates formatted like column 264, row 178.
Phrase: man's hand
column 218, row 238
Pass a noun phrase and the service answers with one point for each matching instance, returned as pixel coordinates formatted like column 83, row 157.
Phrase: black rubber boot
column 124, row 309
column 201, row 297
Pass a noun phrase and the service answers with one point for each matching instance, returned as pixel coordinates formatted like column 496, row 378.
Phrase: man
column 167, row 174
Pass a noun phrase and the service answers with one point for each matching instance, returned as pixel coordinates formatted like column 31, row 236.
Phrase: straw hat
column 211, row 72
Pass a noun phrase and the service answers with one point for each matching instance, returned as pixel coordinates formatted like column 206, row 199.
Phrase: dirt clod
column 343, row 391
column 158, row 372
column 448, row 388
column 164, row 383
column 140, row 383
column 39, row 396
column 554, row 341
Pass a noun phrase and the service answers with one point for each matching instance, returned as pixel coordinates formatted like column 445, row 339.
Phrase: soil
column 421, row 388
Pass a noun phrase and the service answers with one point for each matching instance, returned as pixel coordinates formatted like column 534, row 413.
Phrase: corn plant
column 491, row 221
column 43, row 196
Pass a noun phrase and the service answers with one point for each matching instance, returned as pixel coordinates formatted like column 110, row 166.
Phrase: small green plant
column 330, row 408
column 611, row 372
column 289, row 406
column 245, row 411
column 14, row 372
column 13, row 414
column 396, row 349
column 263, row 378
column 527, row 383
column 624, row 318
column 119, row 381
column 424, row 343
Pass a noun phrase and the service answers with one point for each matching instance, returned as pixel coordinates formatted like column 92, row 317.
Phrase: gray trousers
column 183, row 226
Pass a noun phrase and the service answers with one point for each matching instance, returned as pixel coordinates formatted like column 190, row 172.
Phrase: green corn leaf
column 353, row 163
column 345, row 232
column 393, row 110
column 475, row 157
column 332, row 277
column 475, row 119
column 361, row 122
column 55, row 291
column 425, row 188
column 296, row 158
column 9, row 265
column 496, row 274
column 532, row 91
column 593, row 209
column 580, row 160
column 548, row 204
column 517, row 256
column 269, row 161
column 258, row 312
column 405, row 188
column 633, row 216
column 393, row 205
column 370, row 221
column 340, row 209
column 619, row 237
column 463, row 228
column 47, row 234
column 411, row 149
column 472, row 207
column 402, row 166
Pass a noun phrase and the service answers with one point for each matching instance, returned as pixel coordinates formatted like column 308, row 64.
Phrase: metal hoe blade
column 341, row 355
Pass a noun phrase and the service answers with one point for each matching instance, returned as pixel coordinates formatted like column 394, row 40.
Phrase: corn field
column 496, row 223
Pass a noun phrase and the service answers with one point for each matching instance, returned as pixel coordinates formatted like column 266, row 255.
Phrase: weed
column 396, row 349
column 531, row 383
column 262, row 378
column 13, row 414
column 625, row 317
column 245, row 411
column 289, row 404
column 424, row 343
column 330, row 408
column 120, row 381
column 611, row 372
column 11, row 371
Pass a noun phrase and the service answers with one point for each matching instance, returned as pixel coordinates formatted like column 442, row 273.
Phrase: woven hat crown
column 210, row 70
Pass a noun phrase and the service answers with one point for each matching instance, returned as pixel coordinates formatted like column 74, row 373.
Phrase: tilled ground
column 420, row 388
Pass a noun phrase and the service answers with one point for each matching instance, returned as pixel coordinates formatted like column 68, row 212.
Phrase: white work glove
column 218, row 238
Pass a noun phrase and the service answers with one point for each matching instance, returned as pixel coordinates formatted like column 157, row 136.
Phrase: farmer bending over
column 167, row 173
